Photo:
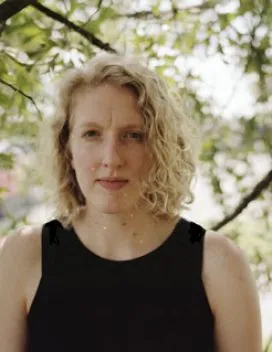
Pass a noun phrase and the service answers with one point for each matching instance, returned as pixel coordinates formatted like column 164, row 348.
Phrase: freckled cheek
column 84, row 160
column 88, row 161
column 91, row 168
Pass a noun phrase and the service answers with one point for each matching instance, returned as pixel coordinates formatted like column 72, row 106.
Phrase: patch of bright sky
column 223, row 83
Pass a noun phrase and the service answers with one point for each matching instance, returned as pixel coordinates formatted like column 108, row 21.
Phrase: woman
column 118, row 268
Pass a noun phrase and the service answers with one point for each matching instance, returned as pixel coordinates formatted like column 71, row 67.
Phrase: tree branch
column 22, row 93
column 263, row 184
column 87, row 35
column 9, row 8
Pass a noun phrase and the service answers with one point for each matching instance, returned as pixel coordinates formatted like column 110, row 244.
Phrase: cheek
column 140, row 163
column 83, row 160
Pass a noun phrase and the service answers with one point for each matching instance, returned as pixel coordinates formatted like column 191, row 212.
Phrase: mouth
column 113, row 180
column 112, row 185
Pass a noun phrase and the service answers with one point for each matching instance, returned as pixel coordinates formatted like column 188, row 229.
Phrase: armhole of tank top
column 49, row 246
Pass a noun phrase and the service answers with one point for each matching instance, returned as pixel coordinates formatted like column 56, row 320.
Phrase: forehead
column 104, row 102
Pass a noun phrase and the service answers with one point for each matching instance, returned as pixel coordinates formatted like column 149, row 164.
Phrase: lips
column 112, row 185
column 113, row 180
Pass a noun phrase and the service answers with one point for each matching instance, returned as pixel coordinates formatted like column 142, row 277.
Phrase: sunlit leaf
column 6, row 161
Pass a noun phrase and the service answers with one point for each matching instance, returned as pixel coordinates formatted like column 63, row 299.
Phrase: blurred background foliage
column 39, row 40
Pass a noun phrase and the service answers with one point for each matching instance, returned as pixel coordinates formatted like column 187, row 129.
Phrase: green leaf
column 105, row 13
column 223, row 20
column 246, row 6
column 265, row 43
column 30, row 29
column 3, row 99
column 6, row 161
column 252, row 65
column 73, row 7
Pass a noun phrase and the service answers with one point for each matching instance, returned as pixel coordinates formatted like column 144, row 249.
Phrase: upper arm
column 233, row 291
column 13, row 270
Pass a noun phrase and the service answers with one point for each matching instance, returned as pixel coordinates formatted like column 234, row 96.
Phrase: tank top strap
column 196, row 232
column 196, row 235
column 50, row 245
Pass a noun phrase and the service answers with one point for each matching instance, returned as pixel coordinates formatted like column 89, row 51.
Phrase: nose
column 112, row 154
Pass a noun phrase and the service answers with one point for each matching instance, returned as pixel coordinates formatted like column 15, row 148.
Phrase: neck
column 118, row 229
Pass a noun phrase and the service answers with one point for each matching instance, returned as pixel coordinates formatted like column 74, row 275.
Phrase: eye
column 88, row 133
column 136, row 135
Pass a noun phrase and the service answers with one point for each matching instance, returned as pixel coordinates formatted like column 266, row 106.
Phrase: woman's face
column 107, row 140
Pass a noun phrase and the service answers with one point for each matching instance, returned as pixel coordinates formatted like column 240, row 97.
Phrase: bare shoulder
column 21, row 243
column 216, row 247
column 24, row 243
column 232, row 294
column 222, row 257
column 220, row 249
column 20, row 252
column 31, row 237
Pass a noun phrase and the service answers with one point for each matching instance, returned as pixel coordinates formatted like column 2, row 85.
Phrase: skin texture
column 111, row 150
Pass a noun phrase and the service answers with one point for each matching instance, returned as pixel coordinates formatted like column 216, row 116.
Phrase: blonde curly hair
column 172, row 137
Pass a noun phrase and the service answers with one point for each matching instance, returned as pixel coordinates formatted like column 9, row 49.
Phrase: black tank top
column 156, row 302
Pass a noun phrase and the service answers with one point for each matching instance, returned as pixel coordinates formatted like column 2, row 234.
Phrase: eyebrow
column 131, row 125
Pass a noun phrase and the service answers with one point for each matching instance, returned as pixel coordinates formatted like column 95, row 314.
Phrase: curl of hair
column 173, row 139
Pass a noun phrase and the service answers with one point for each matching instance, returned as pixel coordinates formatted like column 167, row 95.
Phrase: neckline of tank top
column 182, row 225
